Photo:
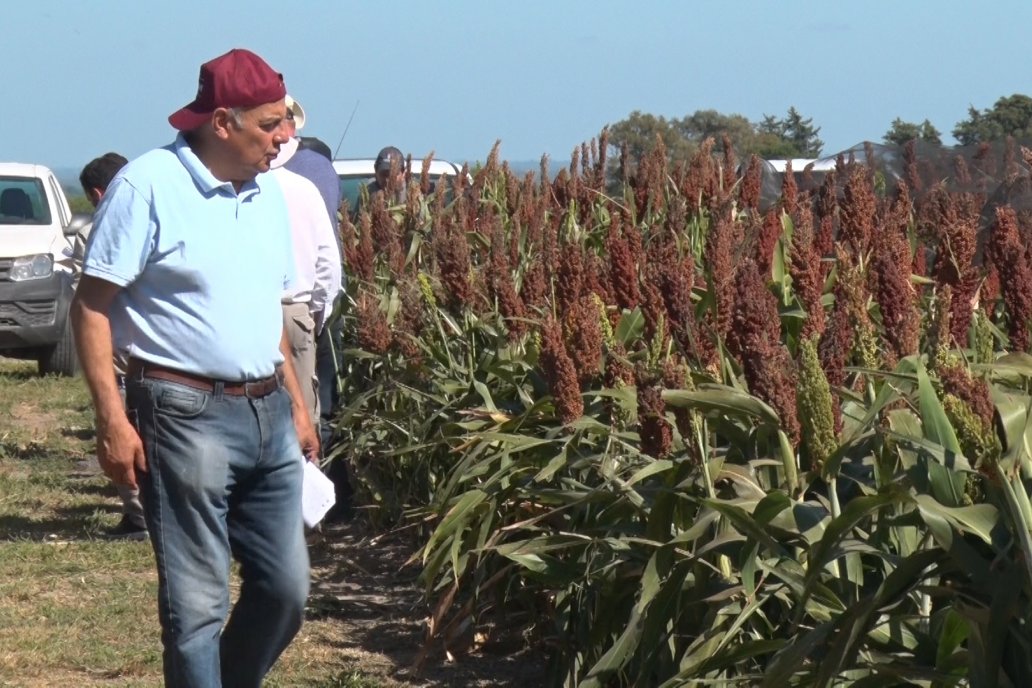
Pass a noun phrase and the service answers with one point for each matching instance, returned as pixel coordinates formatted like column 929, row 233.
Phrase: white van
column 37, row 229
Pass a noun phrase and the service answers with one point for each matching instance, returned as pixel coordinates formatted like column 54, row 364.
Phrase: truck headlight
column 31, row 267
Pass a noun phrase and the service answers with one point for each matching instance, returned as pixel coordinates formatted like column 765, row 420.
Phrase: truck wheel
column 60, row 358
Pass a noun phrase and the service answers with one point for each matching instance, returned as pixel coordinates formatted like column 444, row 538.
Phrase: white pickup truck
column 37, row 230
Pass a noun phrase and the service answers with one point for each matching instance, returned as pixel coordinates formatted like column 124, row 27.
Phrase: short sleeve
column 123, row 235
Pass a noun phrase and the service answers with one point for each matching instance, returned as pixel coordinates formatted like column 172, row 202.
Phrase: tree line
column 796, row 136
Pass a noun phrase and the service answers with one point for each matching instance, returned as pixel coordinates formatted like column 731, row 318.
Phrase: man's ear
column 222, row 122
column 93, row 195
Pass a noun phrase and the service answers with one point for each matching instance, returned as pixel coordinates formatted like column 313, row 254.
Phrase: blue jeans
column 224, row 478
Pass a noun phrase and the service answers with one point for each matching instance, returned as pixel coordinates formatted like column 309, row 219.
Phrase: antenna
column 346, row 127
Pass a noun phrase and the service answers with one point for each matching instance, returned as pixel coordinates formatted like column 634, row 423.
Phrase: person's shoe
column 127, row 530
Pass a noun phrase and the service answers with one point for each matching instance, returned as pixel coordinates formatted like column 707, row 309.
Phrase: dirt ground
column 360, row 582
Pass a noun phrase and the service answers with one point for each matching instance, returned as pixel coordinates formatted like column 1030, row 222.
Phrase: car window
column 23, row 201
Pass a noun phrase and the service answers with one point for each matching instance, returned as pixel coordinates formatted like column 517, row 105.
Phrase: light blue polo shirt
column 203, row 267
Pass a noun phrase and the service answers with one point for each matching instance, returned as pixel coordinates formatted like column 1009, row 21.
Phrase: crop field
column 682, row 423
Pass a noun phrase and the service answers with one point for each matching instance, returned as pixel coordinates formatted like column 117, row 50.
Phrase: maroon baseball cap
column 237, row 79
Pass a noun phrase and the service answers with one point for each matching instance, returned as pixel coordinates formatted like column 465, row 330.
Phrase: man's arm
column 328, row 273
column 79, row 248
column 306, row 434
column 119, row 449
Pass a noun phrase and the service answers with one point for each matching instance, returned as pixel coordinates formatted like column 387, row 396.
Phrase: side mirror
column 79, row 220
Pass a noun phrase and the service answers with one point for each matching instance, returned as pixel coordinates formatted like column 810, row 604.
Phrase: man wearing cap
column 307, row 305
column 389, row 169
column 189, row 256
column 310, row 163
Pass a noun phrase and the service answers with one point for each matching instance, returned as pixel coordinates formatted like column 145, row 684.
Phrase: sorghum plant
column 612, row 469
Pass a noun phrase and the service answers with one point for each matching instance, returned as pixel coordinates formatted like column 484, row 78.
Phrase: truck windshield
column 23, row 201
column 351, row 186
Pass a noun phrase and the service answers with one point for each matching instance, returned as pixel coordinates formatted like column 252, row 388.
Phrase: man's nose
column 282, row 134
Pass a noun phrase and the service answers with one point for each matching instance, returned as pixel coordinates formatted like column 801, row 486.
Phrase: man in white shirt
column 308, row 305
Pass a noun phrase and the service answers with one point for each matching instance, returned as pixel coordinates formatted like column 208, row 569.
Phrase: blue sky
column 81, row 78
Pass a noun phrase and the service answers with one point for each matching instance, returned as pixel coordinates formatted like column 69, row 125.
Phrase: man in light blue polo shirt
column 189, row 255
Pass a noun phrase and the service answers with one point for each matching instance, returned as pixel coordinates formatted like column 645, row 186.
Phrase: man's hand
column 307, row 437
column 120, row 451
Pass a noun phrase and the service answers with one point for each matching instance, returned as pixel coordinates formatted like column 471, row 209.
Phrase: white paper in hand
column 317, row 495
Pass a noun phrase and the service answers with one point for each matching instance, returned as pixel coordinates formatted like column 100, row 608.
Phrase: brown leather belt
column 254, row 389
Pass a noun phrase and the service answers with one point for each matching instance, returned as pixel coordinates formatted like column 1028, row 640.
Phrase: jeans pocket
column 180, row 401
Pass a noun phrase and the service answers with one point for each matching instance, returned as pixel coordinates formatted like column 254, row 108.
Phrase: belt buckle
column 249, row 387
column 257, row 389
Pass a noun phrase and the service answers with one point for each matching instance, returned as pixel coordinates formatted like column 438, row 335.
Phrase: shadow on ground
column 28, row 451
column 72, row 523
column 79, row 433
column 359, row 580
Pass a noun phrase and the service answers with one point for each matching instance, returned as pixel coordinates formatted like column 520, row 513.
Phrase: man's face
column 254, row 138
column 383, row 176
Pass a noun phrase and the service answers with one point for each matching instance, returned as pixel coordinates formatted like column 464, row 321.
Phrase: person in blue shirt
column 189, row 255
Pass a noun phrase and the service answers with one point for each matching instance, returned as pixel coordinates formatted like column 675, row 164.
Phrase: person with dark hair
column 95, row 178
column 189, row 257
column 98, row 173
column 316, row 144
column 389, row 169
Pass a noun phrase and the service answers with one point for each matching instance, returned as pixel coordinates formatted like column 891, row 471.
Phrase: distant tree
column 1009, row 116
column 903, row 132
column 639, row 131
column 791, row 137
column 773, row 146
column 703, row 124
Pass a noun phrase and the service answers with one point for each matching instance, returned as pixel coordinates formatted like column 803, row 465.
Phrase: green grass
column 81, row 609
column 74, row 610
column 43, row 416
